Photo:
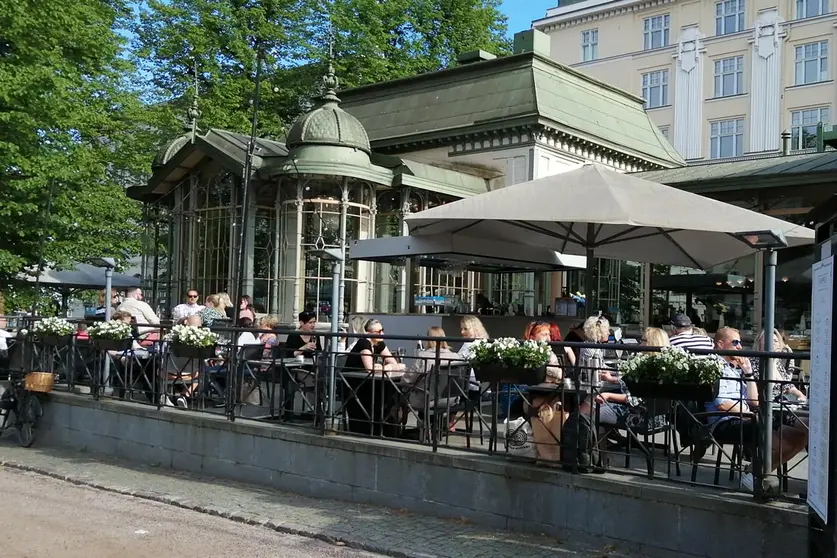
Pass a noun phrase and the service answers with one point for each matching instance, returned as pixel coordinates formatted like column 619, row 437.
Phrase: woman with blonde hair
column 212, row 311
column 596, row 330
column 268, row 322
column 225, row 305
column 782, row 375
column 471, row 327
column 655, row 337
column 423, row 364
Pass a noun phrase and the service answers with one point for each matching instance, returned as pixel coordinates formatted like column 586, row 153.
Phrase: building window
column 811, row 62
column 655, row 88
column 811, row 8
column 729, row 76
column 804, row 127
column 656, row 31
column 729, row 17
column 664, row 131
column 726, row 138
column 589, row 45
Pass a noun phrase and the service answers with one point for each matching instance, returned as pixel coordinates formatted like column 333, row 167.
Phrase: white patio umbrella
column 596, row 212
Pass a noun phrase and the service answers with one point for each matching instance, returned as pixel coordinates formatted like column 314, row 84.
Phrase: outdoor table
column 366, row 400
column 300, row 368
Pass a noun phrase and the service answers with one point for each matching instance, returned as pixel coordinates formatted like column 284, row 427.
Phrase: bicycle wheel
column 30, row 412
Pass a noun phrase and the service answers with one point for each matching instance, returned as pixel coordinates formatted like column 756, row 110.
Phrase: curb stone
column 249, row 519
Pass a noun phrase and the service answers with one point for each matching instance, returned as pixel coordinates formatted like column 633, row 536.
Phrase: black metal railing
column 584, row 421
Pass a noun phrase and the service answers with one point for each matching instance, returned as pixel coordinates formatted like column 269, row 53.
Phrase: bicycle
column 25, row 407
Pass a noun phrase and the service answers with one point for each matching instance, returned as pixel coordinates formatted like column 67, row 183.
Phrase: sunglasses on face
column 191, row 296
column 736, row 342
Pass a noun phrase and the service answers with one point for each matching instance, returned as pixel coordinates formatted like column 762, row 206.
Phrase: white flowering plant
column 191, row 336
column 55, row 327
column 114, row 329
column 672, row 365
column 510, row 353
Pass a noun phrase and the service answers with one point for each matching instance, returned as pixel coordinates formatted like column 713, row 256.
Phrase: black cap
column 681, row 320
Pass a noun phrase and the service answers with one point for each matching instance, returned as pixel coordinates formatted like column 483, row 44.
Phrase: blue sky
column 522, row 12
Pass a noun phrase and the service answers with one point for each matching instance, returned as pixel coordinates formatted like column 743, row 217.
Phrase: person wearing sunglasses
column 182, row 311
column 738, row 400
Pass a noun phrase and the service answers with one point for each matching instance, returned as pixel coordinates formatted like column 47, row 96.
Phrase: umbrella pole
column 590, row 272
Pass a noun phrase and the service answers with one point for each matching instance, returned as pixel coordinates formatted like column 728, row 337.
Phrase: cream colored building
column 720, row 79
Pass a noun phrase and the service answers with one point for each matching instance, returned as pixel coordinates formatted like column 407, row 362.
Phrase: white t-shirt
column 247, row 338
column 185, row 310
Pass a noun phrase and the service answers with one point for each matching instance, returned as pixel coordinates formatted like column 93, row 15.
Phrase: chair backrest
column 451, row 381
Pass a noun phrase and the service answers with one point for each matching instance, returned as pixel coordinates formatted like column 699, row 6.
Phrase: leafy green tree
column 65, row 116
column 372, row 41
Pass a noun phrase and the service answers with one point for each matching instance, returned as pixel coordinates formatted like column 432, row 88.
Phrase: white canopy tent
column 594, row 211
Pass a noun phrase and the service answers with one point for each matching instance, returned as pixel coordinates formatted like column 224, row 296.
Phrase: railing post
column 768, row 487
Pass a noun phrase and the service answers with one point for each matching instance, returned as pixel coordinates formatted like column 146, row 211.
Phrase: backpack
column 579, row 444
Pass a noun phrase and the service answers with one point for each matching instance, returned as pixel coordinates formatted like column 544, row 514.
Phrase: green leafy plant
column 510, row 353
column 672, row 365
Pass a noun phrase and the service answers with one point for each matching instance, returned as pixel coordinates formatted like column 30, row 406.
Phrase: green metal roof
column 757, row 172
column 525, row 89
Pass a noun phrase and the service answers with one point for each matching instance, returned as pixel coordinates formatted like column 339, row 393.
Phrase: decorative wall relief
column 688, row 94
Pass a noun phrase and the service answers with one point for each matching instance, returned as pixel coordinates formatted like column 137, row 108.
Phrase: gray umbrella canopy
column 83, row 276
column 596, row 211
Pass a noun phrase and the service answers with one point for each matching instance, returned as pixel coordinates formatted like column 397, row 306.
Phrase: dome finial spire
column 330, row 80
column 194, row 113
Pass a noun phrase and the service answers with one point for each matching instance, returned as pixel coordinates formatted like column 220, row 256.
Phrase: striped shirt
column 689, row 341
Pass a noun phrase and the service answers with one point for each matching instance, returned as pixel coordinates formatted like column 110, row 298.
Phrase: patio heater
column 336, row 257
column 108, row 264
column 767, row 241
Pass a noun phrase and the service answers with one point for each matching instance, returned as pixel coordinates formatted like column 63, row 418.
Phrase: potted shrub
column 115, row 335
column 672, row 374
column 509, row 361
column 54, row 332
column 192, row 342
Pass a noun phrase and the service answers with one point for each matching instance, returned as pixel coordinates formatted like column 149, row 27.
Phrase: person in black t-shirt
column 305, row 345
column 371, row 353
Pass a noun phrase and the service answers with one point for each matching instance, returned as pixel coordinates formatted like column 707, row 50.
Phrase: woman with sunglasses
column 370, row 399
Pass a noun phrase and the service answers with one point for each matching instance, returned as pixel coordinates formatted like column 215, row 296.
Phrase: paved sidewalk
column 381, row 530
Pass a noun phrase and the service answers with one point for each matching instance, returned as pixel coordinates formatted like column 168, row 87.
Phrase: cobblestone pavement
column 41, row 517
column 375, row 529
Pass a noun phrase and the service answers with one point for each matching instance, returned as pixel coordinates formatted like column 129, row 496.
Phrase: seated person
column 738, row 398
column 547, row 427
column 193, row 320
column 246, row 337
column 423, row 365
column 596, row 329
column 363, row 353
column 304, row 344
column 269, row 338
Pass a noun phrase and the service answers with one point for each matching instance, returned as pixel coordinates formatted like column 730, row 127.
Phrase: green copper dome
column 328, row 124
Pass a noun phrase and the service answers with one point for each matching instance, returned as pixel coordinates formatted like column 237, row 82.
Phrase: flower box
column 120, row 345
column 670, row 391
column 55, row 340
column 188, row 351
column 496, row 373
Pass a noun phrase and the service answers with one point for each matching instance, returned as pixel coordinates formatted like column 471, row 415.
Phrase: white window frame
column 589, row 45
column 804, row 126
column 813, row 57
column 723, row 131
column 811, row 8
column 655, row 31
column 655, row 89
column 729, row 74
column 729, row 17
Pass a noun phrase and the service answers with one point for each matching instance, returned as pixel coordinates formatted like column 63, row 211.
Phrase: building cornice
column 596, row 12
column 554, row 138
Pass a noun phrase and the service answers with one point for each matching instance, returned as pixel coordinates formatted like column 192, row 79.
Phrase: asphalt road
column 41, row 516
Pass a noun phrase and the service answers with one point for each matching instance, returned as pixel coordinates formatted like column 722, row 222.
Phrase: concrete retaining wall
column 653, row 518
